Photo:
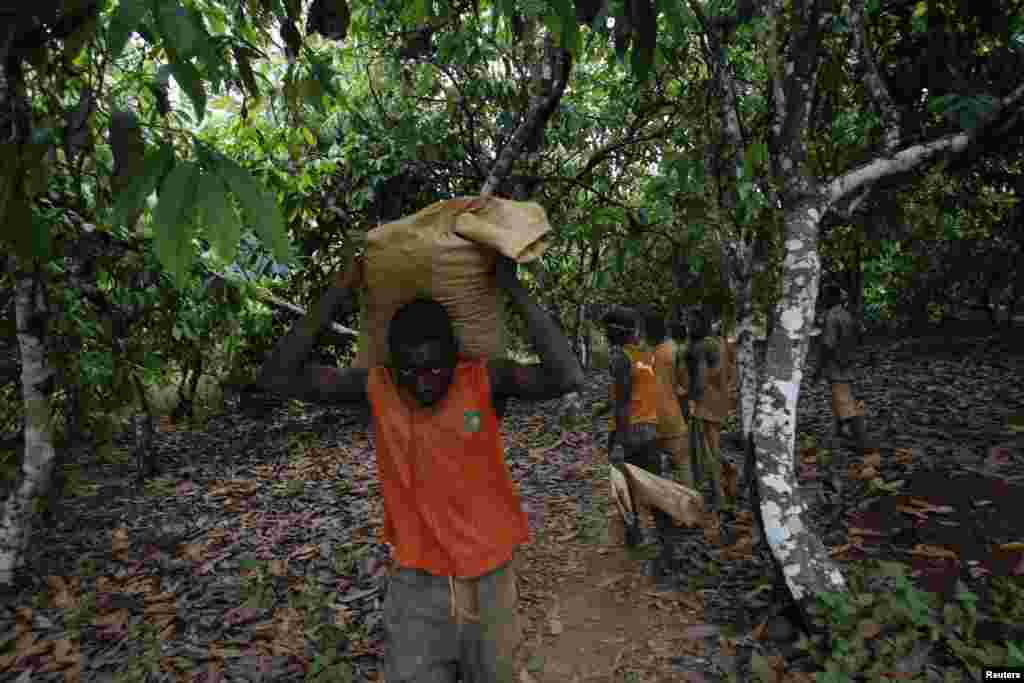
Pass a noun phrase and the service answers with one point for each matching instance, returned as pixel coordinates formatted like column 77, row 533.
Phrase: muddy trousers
column 677, row 448
column 706, row 457
column 440, row 629
column 847, row 411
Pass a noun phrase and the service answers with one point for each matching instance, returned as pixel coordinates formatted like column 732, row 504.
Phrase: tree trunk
column 799, row 552
column 746, row 358
column 145, row 457
column 582, row 333
column 534, row 121
column 37, row 374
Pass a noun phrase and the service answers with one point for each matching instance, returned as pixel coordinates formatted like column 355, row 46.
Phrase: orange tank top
column 643, row 400
column 450, row 505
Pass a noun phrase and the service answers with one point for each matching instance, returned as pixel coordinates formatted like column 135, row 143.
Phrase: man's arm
column 695, row 365
column 622, row 375
column 559, row 371
column 826, row 348
column 287, row 371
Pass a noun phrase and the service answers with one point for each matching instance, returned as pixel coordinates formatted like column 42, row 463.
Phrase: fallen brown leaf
column 870, row 629
column 923, row 550
column 915, row 512
column 835, row 552
column 62, row 592
column 730, row 479
column 867, row 472
column 611, row 580
column 798, row 677
column 758, row 633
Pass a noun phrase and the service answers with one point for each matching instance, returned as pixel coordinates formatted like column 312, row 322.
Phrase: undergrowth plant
column 868, row 632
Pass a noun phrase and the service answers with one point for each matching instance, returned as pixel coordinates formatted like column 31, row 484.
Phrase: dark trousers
column 650, row 458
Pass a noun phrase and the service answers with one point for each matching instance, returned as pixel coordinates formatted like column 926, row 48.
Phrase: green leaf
column 420, row 11
column 507, row 8
column 568, row 29
column 677, row 13
column 220, row 223
column 260, row 207
column 178, row 28
column 133, row 198
column 32, row 241
column 892, row 569
column 173, row 221
column 191, row 82
column 127, row 16
column 760, row 667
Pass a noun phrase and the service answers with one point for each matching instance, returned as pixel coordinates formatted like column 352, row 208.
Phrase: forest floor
column 256, row 556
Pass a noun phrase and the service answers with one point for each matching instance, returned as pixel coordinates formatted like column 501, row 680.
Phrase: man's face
column 425, row 371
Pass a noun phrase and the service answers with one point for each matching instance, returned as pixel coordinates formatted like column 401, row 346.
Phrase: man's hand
column 352, row 277
column 505, row 273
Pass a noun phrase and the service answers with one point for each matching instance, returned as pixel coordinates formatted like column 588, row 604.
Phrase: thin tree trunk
column 535, row 120
column 145, row 457
column 37, row 375
column 746, row 357
column 581, row 335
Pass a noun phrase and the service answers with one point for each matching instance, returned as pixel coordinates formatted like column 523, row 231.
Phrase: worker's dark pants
column 650, row 458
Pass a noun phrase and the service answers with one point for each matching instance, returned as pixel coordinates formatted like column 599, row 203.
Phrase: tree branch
column 271, row 300
column 535, row 119
column 873, row 81
column 908, row 158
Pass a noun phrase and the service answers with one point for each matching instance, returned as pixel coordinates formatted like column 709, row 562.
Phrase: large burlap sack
column 447, row 253
column 620, row 494
column 684, row 505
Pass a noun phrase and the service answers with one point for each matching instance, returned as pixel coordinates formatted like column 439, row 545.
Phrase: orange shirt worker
column 451, row 510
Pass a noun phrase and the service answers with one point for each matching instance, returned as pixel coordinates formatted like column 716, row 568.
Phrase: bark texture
column 801, row 555
column 37, row 374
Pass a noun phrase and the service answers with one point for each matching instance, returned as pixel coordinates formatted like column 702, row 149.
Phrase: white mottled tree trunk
column 746, row 359
column 806, row 566
column 37, row 466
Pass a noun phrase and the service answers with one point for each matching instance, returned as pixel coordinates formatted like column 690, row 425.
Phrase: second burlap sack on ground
column 447, row 253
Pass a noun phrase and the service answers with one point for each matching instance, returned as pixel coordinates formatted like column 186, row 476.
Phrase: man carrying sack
column 837, row 345
column 709, row 403
column 670, row 374
column 451, row 511
column 634, row 425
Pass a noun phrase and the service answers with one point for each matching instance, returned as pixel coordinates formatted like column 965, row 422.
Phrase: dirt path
column 592, row 611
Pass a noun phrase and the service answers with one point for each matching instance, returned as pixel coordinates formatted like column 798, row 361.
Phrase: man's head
column 832, row 295
column 423, row 349
column 620, row 325
column 654, row 328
